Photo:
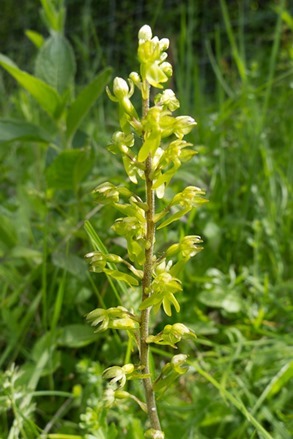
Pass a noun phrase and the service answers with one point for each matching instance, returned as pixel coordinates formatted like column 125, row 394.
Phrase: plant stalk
column 146, row 283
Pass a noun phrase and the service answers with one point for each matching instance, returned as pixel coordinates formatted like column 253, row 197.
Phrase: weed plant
column 237, row 295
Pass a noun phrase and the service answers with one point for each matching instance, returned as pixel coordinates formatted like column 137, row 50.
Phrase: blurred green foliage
column 233, row 73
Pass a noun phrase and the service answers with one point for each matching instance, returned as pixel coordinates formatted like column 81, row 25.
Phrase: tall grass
column 238, row 290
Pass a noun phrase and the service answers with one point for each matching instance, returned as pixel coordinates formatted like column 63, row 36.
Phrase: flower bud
column 121, row 394
column 113, row 258
column 163, row 56
column 128, row 368
column 145, row 33
column 120, row 88
column 178, row 363
column 135, row 78
column 164, row 43
column 167, row 69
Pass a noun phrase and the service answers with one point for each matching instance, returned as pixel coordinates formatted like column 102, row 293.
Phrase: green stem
column 146, row 283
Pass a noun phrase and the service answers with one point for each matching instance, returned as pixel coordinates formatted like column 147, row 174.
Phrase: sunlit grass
column 237, row 290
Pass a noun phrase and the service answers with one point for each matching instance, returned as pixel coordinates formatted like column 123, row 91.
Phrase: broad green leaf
column 55, row 63
column 69, row 168
column 46, row 343
column 11, row 130
column 76, row 336
column 71, row 263
column 218, row 298
column 36, row 38
column 44, row 94
column 85, row 100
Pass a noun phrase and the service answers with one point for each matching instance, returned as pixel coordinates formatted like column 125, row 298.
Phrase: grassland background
column 233, row 73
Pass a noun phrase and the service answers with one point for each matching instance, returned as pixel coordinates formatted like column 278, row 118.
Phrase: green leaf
column 69, row 168
column 36, row 38
column 53, row 17
column 44, row 94
column 71, row 263
column 97, row 244
column 233, row 400
column 176, row 216
column 149, row 146
column 8, row 233
column 85, row 100
column 76, row 336
column 46, row 343
column 55, row 63
column 280, row 379
column 164, row 179
column 63, row 436
column 32, row 255
column 11, row 130
column 119, row 275
column 218, row 298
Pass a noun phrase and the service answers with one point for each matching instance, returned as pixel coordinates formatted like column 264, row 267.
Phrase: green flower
column 157, row 124
column 162, row 289
column 187, row 247
column 108, row 193
column 121, row 142
column 170, row 373
column 167, row 100
column 114, row 318
column 122, row 94
column 171, row 335
column 183, row 125
column 190, row 197
column 118, row 375
column 169, row 159
column 152, row 55
column 98, row 260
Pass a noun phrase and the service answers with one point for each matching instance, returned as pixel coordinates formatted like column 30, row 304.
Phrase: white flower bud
column 135, row 78
column 179, row 359
column 164, row 43
column 120, row 87
column 145, row 33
